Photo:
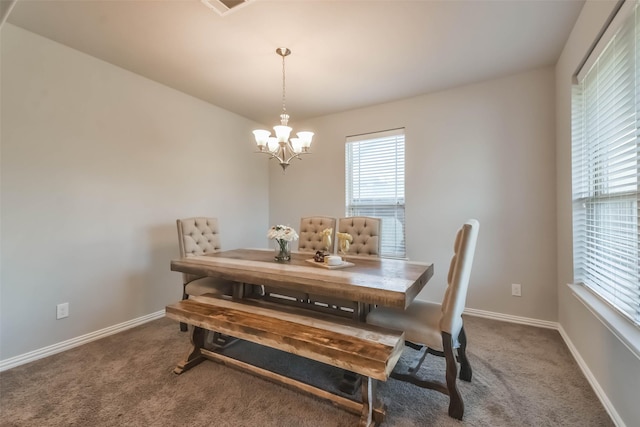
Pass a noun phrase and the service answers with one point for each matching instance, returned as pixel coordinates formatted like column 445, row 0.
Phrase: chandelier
column 280, row 146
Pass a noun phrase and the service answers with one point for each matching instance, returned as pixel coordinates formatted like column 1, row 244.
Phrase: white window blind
column 606, row 165
column 375, row 184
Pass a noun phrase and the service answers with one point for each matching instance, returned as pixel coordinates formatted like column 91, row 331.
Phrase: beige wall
column 485, row 151
column 97, row 163
column 614, row 368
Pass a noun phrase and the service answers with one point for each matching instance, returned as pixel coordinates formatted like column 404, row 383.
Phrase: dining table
column 361, row 282
column 367, row 280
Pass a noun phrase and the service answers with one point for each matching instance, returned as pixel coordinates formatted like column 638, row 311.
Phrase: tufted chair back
column 365, row 232
column 458, row 279
column 310, row 234
column 197, row 236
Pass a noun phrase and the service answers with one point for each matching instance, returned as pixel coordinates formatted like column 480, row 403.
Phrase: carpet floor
column 522, row 376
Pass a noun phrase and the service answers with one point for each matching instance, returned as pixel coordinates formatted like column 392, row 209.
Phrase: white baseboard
column 512, row 319
column 608, row 406
column 75, row 342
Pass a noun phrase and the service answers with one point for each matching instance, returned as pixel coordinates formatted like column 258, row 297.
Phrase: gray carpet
column 522, row 376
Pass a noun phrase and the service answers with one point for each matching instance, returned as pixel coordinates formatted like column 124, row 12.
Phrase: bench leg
column 194, row 356
column 373, row 411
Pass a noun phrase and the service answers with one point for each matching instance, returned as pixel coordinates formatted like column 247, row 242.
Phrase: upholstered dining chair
column 200, row 236
column 310, row 234
column 309, row 240
column 439, row 327
column 365, row 232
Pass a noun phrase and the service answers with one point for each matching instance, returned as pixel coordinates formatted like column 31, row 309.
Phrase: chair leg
column 456, row 406
column 465, row 367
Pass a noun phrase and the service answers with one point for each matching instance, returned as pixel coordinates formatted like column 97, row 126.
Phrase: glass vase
column 283, row 250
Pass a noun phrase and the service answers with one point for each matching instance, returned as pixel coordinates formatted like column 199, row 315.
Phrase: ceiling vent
column 224, row 7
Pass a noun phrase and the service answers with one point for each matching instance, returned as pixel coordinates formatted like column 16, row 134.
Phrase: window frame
column 598, row 191
column 390, row 209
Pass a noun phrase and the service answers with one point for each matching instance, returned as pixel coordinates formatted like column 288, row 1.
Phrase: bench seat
column 357, row 347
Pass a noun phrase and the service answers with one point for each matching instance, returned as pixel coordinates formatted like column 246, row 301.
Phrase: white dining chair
column 439, row 327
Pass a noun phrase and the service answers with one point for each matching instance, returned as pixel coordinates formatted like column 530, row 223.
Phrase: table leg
column 350, row 382
column 360, row 312
column 373, row 411
column 238, row 290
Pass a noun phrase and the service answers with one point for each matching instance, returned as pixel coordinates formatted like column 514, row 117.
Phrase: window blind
column 375, row 185
column 605, row 171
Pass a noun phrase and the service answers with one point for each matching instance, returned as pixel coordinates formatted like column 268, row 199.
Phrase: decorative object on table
column 344, row 240
column 333, row 260
column 283, row 235
column 280, row 147
column 326, row 239
column 319, row 256
column 343, row 264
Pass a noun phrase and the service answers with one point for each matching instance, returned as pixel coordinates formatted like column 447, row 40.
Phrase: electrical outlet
column 62, row 310
column 516, row 290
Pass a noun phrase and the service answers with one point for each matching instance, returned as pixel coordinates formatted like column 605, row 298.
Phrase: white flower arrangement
column 282, row 232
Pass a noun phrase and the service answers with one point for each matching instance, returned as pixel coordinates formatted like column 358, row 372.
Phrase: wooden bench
column 364, row 349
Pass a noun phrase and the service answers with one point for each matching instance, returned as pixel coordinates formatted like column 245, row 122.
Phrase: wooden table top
column 382, row 281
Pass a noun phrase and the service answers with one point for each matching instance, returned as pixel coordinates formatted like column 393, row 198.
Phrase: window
column 375, row 184
column 606, row 164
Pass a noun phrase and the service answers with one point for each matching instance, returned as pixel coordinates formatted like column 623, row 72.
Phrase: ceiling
column 345, row 54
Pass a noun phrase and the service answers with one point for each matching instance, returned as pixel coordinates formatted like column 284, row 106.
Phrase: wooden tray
column 344, row 264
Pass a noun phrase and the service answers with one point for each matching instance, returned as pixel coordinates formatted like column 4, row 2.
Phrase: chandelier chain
column 284, row 107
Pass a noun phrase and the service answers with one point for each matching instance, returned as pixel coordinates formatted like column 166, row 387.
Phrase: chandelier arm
column 283, row 159
column 292, row 153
